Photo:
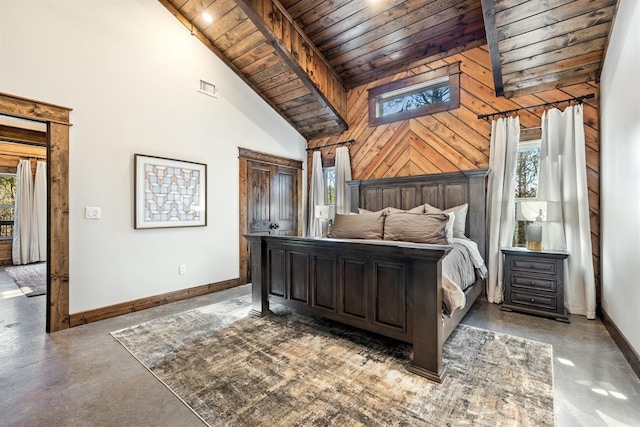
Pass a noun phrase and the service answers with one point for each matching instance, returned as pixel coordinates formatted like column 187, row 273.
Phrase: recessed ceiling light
column 207, row 17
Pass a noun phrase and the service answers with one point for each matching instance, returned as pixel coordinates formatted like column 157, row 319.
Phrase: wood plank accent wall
column 456, row 140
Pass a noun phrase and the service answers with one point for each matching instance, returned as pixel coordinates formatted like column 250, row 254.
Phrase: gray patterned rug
column 30, row 278
column 291, row 369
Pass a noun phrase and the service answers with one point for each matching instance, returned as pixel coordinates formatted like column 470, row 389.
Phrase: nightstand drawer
column 534, row 265
column 534, row 283
column 533, row 300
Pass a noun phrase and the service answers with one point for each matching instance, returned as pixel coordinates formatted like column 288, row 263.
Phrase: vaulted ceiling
column 301, row 56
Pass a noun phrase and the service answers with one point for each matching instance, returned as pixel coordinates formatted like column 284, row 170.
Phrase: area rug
column 291, row 369
column 30, row 278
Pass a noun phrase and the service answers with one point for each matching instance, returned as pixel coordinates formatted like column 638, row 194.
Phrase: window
column 526, row 186
column 419, row 95
column 330, row 185
column 7, row 205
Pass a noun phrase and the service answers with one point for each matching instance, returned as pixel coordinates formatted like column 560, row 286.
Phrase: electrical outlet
column 182, row 269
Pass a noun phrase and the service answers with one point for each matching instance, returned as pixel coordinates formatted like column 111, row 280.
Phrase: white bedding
column 459, row 270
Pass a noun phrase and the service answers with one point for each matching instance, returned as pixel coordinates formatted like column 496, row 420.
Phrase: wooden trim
column 488, row 11
column 248, row 154
column 23, row 136
column 57, row 121
column 90, row 316
column 245, row 155
column 452, row 70
column 30, row 109
column 625, row 348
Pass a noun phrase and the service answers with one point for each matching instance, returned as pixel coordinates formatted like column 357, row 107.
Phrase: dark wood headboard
column 442, row 190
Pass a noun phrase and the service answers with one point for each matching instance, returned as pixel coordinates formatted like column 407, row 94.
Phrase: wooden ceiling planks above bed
column 302, row 56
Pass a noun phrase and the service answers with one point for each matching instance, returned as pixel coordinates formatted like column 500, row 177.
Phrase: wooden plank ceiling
column 302, row 56
column 541, row 45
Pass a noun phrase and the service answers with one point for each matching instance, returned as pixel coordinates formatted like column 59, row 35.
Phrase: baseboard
column 90, row 316
column 627, row 351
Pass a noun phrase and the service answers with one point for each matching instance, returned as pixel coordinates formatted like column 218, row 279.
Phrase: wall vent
column 207, row 88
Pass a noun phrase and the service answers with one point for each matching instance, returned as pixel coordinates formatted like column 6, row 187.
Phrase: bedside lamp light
column 324, row 213
column 539, row 212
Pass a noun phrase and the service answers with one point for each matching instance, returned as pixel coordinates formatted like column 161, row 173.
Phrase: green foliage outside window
column 7, row 202
column 527, row 168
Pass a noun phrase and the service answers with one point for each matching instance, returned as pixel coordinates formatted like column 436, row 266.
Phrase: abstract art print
column 169, row 193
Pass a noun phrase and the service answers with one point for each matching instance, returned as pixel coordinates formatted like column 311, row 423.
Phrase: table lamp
column 540, row 212
column 324, row 213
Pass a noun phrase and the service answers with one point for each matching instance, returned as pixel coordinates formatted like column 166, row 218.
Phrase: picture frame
column 169, row 192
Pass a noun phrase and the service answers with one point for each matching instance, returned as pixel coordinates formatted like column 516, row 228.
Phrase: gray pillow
column 368, row 225
column 416, row 227
column 460, row 220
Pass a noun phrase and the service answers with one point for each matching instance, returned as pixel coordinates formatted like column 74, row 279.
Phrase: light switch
column 92, row 213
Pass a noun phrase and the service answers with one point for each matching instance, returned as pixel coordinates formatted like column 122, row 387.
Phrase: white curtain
column 343, row 174
column 316, row 195
column 563, row 179
column 39, row 215
column 22, row 214
column 505, row 135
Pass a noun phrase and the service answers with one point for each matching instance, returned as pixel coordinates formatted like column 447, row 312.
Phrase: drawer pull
column 532, row 266
column 532, row 283
column 532, row 300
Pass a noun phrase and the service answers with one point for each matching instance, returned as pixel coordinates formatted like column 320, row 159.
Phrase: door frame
column 56, row 118
column 245, row 156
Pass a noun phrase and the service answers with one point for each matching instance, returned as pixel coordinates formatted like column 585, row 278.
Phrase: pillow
column 417, row 209
column 367, row 225
column 460, row 220
column 384, row 211
column 449, row 228
column 416, row 227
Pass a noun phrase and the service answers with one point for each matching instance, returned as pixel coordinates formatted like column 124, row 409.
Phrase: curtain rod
column 348, row 142
column 505, row 113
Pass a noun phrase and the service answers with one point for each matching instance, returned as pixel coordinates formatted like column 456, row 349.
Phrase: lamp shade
column 529, row 210
column 324, row 212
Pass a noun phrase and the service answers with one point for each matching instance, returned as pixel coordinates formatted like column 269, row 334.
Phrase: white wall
column 620, row 174
column 129, row 70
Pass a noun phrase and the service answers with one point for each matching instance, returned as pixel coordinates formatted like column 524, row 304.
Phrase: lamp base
column 534, row 246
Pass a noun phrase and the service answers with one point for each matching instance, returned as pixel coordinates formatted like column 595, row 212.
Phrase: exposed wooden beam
column 491, row 30
column 23, row 136
column 253, row 9
column 197, row 34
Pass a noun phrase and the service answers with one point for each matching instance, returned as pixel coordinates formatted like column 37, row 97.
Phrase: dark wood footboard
column 391, row 288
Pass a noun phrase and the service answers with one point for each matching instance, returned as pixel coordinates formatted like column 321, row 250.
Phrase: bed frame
column 390, row 288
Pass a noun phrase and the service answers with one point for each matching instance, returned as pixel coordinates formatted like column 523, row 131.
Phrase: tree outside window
column 7, row 205
column 330, row 185
column 527, row 169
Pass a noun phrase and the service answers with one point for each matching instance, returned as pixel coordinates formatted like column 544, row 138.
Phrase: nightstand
column 534, row 282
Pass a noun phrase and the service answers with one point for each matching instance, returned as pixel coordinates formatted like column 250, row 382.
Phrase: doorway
column 56, row 120
column 270, row 200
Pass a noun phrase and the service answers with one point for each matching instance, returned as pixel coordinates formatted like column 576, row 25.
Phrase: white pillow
column 449, row 227
column 460, row 220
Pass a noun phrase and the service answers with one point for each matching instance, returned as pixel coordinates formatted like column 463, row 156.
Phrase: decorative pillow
column 384, row 211
column 460, row 220
column 367, row 225
column 416, row 227
column 449, row 228
column 417, row 209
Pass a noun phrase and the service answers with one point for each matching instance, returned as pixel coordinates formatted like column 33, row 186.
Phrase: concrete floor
column 82, row 377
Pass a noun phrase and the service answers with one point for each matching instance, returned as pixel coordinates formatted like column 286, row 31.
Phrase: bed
column 387, row 287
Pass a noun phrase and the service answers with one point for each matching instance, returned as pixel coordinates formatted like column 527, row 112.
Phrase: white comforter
column 459, row 270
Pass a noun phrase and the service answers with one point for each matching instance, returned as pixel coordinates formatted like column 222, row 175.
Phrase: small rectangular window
column 526, row 185
column 419, row 95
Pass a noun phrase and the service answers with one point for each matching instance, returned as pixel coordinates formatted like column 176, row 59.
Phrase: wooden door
column 270, row 200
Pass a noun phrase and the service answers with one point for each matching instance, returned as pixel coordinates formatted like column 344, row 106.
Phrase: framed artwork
column 169, row 193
